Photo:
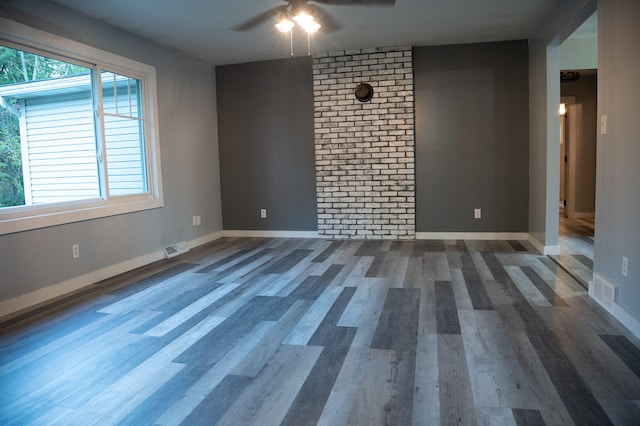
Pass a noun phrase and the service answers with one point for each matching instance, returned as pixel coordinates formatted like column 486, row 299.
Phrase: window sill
column 69, row 213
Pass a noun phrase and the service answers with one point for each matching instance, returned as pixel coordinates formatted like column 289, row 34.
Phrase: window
column 123, row 134
column 78, row 136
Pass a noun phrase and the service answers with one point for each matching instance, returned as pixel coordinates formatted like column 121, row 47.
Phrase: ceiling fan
column 310, row 17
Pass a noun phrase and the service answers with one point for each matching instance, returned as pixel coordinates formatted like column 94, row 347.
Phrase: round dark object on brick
column 363, row 92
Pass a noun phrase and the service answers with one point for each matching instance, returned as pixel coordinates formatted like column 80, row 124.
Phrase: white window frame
column 24, row 218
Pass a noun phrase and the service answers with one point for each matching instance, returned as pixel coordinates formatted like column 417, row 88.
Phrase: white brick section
column 365, row 166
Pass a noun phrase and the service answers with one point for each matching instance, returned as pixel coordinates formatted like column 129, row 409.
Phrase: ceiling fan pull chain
column 291, row 41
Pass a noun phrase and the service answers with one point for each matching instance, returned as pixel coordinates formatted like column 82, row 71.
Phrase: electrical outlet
column 198, row 222
column 195, row 220
column 75, row 251
column 625, row 264
column 263, row 213
column 477, row 213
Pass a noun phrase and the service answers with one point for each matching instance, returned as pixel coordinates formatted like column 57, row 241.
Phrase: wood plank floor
column 309, row 331
column 576, row 248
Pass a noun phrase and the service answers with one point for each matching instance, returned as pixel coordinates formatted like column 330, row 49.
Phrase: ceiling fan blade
column 271, row 14
column 357, row 2
column 328, row 22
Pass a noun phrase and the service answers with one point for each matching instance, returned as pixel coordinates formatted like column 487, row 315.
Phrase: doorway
column 577, row 173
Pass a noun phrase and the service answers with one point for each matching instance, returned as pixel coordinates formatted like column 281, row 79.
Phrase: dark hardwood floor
column 310, row 331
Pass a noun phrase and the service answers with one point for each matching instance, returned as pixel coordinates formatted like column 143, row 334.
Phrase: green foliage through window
column 11, row 181
column 17, row 66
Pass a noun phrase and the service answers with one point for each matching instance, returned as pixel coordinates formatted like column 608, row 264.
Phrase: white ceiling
column 202, row 28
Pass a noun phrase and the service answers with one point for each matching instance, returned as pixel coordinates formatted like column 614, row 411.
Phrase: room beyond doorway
column 578, row 90
column 577, row 173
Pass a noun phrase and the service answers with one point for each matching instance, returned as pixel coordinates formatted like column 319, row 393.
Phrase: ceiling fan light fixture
column 285, row 24
column 311, row 26
column 302, row 18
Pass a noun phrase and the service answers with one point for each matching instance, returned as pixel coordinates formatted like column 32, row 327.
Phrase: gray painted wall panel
column 538, row 205
column 472, row 137
column 265, row 116
column 618, row 170
column 579, row 53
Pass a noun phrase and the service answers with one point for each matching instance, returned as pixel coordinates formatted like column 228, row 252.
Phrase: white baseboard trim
column 471, row 235
column 545, row 250
column 204, row 240
column 55, row 291
column 551, row 250
column 606, row 294
column 272, row 234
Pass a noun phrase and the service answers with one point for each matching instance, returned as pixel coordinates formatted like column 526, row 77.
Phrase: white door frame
column 574, row 123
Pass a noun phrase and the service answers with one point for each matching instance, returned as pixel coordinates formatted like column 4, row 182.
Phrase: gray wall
column 544, row 167
column 618, row 170
column 265, row 116
column 585, row 92
column 36, row 259
column 579, row 53
column 472, row 137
